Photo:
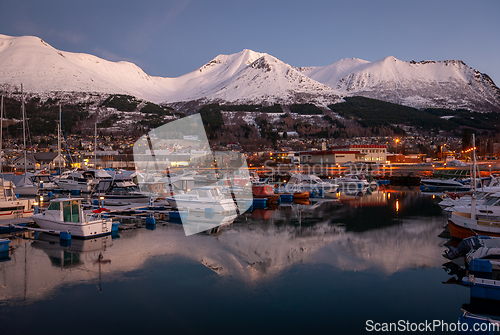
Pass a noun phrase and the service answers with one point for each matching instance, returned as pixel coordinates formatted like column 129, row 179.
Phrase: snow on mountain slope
column 41, row 68
column 447, row 84
column 248, row 77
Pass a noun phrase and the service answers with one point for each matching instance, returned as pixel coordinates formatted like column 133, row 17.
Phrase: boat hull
column 86, row 188
column 27, row 190
column 462, row 226
column 220, row 207
column 88, row 229
column 301, row 196
column 270, row 198
column 15, row 209
column 118, row 200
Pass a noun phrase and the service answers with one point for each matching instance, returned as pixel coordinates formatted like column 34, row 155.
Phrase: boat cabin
column 123, row 186
column 41, row 178
column 7, row 190
column 66, row 209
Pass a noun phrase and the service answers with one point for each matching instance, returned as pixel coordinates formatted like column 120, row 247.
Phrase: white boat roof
column 64, row 199
column 125, row 183
column 207, row 187
column 99, row 173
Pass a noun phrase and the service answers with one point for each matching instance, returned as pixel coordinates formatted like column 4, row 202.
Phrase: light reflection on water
column 297, row 268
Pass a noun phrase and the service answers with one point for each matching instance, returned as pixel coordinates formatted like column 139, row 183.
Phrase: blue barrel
column 4, row 245
column 259, row 202
column 65, row 235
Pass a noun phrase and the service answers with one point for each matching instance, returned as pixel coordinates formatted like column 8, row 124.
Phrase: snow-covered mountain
column 247, row 77
column 41, row 68
column 251, row 77
column 446, row 84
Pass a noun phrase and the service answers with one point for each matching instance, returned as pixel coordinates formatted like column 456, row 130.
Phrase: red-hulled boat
column 265, row 191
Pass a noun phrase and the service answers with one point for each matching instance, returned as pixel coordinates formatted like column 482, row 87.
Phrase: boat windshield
column 54, row 206
column 203, row 193
column 8, row 193
column 490, row 201
column 215, row 192
column 71, row 211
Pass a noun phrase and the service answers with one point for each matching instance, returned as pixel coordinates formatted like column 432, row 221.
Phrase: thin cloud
column 143, row 35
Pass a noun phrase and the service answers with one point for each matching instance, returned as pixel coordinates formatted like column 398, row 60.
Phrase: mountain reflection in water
column 256, row 247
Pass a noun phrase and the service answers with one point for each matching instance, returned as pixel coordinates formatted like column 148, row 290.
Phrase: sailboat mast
column 59, row 141
column 1, row 133
column 474, row 160
column 473, row 180
column 24, row 130
column 95, row 145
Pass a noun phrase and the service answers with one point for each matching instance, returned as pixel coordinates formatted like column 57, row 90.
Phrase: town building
column 370, row 153
column 330, row 157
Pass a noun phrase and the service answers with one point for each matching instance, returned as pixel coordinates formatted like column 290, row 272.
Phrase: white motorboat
column 203, row 199
column 309, row 182
column 437, row 185
column 26, row 187
column 352, row 182
column 75, row 181
column 463, row 199
column 121, row 192
column 476, row 220
column 179, row 182
column 10, row 206
column 43, row 181
column 95, row 175
column 489, row 250
column 488, row 208
column 67, row 215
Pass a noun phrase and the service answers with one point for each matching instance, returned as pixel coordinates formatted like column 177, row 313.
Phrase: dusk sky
column 173, row 37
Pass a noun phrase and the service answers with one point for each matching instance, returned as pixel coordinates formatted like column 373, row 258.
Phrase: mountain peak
column 248, row 77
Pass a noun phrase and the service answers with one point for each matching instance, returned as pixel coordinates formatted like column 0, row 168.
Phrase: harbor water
column 332, row 267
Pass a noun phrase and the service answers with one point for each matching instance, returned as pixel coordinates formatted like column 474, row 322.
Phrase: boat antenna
column 59, row 142
column 95, row 141
column 473, row 199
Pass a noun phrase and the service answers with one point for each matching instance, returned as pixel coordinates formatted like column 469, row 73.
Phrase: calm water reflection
column 324, row 267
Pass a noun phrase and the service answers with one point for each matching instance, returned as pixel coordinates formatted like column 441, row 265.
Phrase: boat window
column 491, row 201
column 75, row 213
column 118, row 190
column 67, row 211
column 54, row 206
column 8, row 193
column 215, row 192
column 203, row 193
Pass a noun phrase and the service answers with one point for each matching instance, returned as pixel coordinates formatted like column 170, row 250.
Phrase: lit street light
column 397, row 141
